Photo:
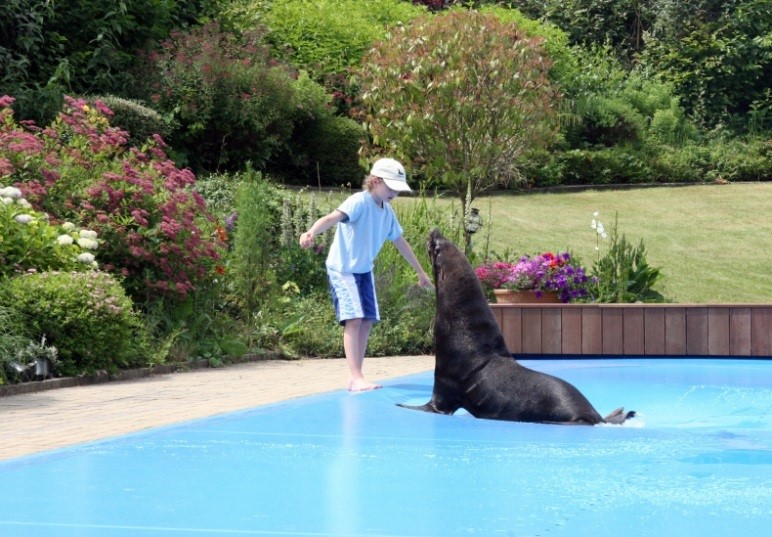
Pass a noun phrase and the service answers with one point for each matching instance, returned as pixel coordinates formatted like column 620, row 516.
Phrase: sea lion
column 474, row 369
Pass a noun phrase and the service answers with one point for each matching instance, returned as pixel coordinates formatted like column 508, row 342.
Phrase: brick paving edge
column 128, row 374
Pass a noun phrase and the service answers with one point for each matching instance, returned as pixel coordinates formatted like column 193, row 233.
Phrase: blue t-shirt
column 359, row 238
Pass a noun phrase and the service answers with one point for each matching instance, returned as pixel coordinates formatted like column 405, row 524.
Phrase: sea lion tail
column 619, row 416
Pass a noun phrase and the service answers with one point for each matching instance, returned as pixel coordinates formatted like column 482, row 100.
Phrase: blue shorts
column 353, row 296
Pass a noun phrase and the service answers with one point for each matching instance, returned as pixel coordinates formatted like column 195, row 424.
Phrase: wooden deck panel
column 675, row 331
column 696, row 331
column 718, row 331
column 531, row 330
column 613, row 340
column 592, row 331
column 654, row 332
column 551, row 334
column 761, row 333
column 511, row 325
column 633, row 330
column 740, row 332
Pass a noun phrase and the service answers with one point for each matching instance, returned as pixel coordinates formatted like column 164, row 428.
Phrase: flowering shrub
column 30, row 242
column 155, row 230
column 545, row 272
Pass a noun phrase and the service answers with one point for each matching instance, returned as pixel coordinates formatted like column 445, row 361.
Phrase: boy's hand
column 306, row 240
column 424, row 281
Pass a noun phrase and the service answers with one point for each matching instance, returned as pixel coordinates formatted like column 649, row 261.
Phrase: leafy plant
column 249, row 264
column 623, row 274
column 719, row 61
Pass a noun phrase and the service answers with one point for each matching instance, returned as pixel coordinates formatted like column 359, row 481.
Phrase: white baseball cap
column 392, row 173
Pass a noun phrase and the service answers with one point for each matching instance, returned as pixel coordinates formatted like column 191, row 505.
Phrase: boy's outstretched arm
column 407, row 252
column 320, row 226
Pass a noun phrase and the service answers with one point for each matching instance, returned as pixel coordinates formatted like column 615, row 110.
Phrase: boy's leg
column 355, row 335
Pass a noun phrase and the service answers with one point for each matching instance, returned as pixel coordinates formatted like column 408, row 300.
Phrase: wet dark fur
column 474, row 369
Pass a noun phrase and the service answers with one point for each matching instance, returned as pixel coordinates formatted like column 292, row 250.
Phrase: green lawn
column 713, row 243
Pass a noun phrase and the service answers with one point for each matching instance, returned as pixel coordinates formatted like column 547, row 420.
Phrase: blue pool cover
column 697, row 461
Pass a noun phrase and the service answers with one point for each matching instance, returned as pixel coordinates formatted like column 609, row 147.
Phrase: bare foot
column 361, row 385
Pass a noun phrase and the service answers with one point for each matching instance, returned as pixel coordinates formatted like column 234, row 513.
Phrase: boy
column 365, row 220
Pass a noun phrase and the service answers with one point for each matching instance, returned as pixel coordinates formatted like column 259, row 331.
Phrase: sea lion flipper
column 428, row 407
column 618, row 416
column 425, row 408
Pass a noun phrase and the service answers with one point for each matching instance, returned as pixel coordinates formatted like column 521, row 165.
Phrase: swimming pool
column 697, row 461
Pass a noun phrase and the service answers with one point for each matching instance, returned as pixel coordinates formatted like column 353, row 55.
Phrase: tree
column 720, row 62
column 461, row 97
column 49, row 49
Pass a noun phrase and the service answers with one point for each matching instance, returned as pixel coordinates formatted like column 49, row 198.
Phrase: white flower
column 10, row 192
column 595, row 214
column 86, row 258
column 593, row 224
column 24, row 203
column 23, row 218
column 68, row 226
column 64, row 240
column 88, row 244
column 600, row 229
column 88, row 234
column 6, row 200
column 604, row 235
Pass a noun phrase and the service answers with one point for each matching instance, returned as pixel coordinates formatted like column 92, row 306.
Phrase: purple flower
column 543, row 272
column 230, row 222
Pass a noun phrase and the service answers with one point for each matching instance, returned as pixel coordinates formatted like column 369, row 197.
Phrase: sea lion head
column 454, row 277
column 464, row 319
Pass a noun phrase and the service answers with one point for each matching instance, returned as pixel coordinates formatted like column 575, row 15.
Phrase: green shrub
column 49, row 49
column 323, row 148
column 139, row 121
column 609, row 165
column 12, row 337
column 338, row 33
column 668, row 126
column 255, row 241
column 85, row 315
column 316, row 330
column 738, row 159
column 218, row 190
column 683, row 164
column 326, row 153
column 607, row 121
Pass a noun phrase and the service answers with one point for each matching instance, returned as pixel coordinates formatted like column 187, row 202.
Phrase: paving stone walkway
column 41, row 421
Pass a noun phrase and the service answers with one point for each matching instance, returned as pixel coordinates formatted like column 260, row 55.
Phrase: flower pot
column 508, row 296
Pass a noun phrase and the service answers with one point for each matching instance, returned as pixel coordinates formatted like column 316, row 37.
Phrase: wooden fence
column 637, row 329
